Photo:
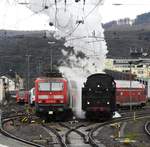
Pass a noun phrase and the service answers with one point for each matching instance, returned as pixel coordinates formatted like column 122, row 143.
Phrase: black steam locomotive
column 98, row 96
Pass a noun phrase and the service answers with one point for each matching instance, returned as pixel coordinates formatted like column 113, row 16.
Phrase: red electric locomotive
column 52, row 96
column 130, row 93
column 22, row 96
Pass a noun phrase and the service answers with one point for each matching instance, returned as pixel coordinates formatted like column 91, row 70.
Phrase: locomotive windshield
column 21, row 93
column 51, row 86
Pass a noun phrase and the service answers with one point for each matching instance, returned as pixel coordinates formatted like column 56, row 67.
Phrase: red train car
column 130, row 93
column 52, row 95
column 22, row 96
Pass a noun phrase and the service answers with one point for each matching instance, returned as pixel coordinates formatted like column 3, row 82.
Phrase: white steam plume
column 80, row 24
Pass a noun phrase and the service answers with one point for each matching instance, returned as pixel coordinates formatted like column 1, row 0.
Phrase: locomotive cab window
column 21, row 93
column 44, row 86
column 51, row 86
column 56, row 86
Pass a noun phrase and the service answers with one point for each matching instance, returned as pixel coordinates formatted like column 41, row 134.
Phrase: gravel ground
column 11, row 106
column 134, row 130
column 105, row 136
column 31, row 132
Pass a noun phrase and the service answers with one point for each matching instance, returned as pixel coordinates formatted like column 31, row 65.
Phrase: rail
column 2, row 121
column 60, row 139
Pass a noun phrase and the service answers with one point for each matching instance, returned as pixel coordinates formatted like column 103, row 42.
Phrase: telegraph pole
column 39, row 66
column 51, row 56
column 51, row 59
column 28, row 70
column 130, row 86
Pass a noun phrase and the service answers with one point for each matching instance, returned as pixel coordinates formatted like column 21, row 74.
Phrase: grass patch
column 131, row 136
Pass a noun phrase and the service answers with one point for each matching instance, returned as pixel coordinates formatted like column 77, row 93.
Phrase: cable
column 93, row 9
column 122, row 4
column 95, row 41
column 65, row 1
column 91, row 37
column 83, row 2
column 84, row 18
column 77, row 38
column 22, row 3
column 73, row 30
column 44, row 3
column 62, row 26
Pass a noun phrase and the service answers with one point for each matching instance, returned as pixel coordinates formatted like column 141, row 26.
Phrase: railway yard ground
column 19, row 128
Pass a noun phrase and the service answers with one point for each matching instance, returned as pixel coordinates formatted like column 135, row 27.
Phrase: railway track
column 95, row 143
column 58, row 136
column 6, row 133
column 75, row 129
column 147, row 128
column 64, row 140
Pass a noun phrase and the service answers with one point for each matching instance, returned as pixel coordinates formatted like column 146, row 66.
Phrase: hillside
column 16, row 46
column 125, row 40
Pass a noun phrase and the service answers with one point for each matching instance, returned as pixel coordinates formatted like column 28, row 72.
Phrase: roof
column 49, row 78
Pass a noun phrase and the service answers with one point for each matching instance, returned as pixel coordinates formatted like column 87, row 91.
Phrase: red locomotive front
column 22, row 96
column 51, row 95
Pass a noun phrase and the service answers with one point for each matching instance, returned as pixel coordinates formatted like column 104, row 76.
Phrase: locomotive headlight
column 88, row 103
column 62, row 101
column 43, row 96
column 58, row 96
column 89, row 89
column 108, row 103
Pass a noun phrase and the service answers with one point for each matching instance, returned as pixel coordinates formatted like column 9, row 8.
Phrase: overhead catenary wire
column 91, row 11
column 57, row 22
column 44, row 3
column 129, row 4
column 45, row 6
column 76, row 26
column 65, row 1
column 88, row 14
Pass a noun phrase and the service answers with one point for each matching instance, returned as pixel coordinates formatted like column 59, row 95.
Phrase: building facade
column 139, row 67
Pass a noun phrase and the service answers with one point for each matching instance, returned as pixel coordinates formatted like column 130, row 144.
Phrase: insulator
column 46, row 7
column 51, row 23
column 79, row 21
column 77, row 1
column 55, row 2
column 65, row 4
column 83, row 2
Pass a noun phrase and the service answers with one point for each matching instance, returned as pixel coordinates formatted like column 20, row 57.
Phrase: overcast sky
column 130, row 8
column 18, row 17
column 14, row 16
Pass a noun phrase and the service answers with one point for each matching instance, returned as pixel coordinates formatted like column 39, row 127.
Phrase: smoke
column 80, row 24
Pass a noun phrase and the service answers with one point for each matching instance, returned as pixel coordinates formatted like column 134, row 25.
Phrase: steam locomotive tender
column 98, row 96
